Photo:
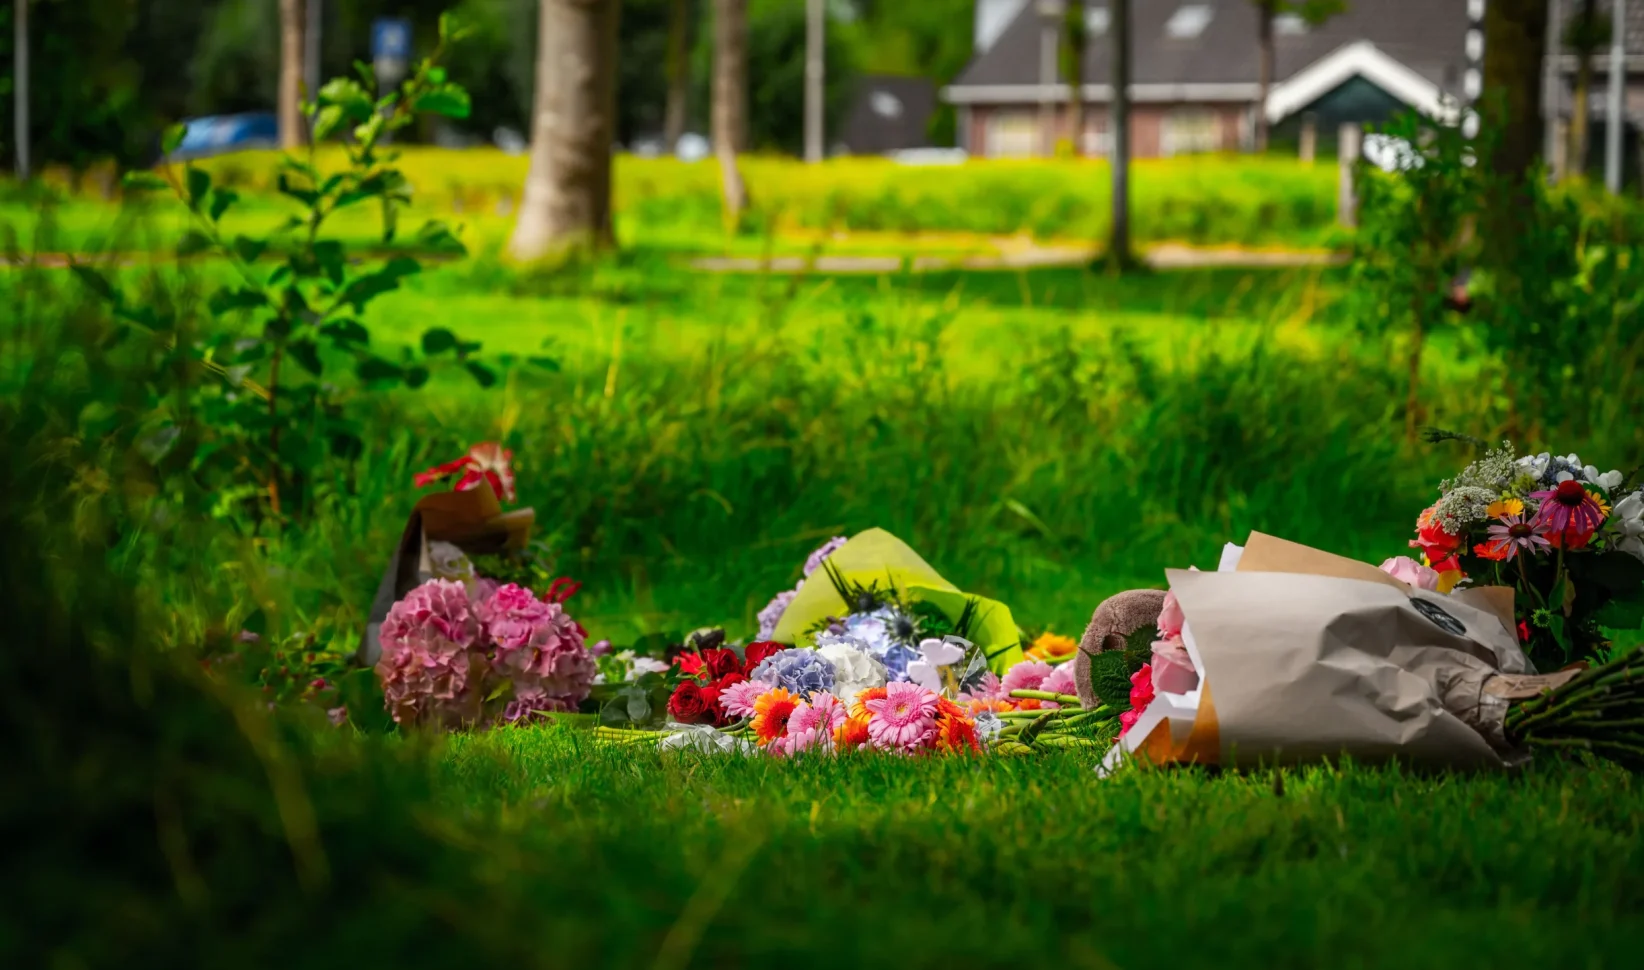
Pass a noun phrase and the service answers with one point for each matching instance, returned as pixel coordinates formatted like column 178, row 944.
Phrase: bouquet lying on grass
column 1568, row 539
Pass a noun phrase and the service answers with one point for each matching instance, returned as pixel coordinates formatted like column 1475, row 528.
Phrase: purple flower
column 804, row 672
column 813, row 562
column 771, row 615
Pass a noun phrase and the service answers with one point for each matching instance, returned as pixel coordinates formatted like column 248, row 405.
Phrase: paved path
column 1168, row 256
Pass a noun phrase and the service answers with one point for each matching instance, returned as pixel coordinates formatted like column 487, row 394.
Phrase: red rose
column 719, row 661
column 1524, row 631
column 689, row 706
column 758, row 651
column 690, row 664
column 720, row 716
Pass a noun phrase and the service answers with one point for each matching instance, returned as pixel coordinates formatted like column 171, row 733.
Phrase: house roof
column 1414, row 40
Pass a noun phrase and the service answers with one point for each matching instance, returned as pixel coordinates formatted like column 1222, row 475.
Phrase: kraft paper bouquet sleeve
column 1304, row 656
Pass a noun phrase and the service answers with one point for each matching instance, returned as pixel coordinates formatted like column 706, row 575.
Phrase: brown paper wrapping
column 1309, row 656
column 472, row 520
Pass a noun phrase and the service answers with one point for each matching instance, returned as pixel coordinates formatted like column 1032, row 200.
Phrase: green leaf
column 199, row 183
column 416, row 376
column 377, row 369
column 194, row 242
column 221, row 199
column 172, row 138
column 288, row 188
column 483, row 375
column 436, row 75
column 244, row 298
column 249, row 250
column 1110, row 678
column 329, row 255
column 96, row 282
column 346, row 331
column 1622, row 614
column 327, row 120
column 448, row 100
column 438, row 341
column 546, row 363
column 452, row 27
column 308, row 355
column 156, row 443
column 142, row 182
column 367, row 288
column 348, row 96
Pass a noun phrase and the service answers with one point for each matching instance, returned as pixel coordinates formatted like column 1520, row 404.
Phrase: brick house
column 1194, row 74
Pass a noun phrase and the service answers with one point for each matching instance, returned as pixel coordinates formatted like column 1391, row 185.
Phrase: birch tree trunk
column 730, row 101
column 293, row 131
column 567, row 199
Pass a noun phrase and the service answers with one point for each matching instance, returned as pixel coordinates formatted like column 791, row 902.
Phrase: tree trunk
column 1118, row 242
column 567, row 199
column 679, row 45
column 293, row 131
column 1264, row 69
column 1515, row 41
column 730, row 101
column 1581, row 97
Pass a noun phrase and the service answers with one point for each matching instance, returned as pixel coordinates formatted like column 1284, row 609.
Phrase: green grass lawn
column 1046, row 438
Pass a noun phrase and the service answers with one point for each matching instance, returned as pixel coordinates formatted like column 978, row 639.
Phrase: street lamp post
column 1618, row 80
column 815, row 28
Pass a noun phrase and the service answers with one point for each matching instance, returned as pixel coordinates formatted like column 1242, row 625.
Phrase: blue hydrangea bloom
column 802, row 671
column 897, row 658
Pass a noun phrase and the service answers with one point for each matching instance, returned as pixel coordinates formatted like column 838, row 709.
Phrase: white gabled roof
column 1358, row 59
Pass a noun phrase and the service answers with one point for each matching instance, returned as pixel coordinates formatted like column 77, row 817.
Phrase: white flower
column 855, row 669
column 1535, row 465
column 648, row 665
column 1609, row 481
column 927, row 672
column 1628, row 518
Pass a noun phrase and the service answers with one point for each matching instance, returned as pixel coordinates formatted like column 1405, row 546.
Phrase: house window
column 1190, row 130
column 1013, row 134
column 1188, row 21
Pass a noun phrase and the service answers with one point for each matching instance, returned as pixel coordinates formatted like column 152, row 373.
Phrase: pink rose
column 1411, row 573
column 1173, row 671
column 1170, row 618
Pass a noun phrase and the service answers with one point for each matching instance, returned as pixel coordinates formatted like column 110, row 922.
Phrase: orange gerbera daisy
column 771, row 712
column 859, row 707
column 1028, row 704
column 851, row 734
column 1053, row 647
column 956, row 734
column 979, row 704
column 947, row 708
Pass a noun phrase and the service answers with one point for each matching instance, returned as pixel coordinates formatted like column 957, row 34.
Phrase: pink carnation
column 738, row 699
column 904, row 719
column 1026, row 675
column 796, row 741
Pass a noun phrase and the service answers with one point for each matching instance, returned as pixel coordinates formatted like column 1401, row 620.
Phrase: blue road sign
column 391, row 39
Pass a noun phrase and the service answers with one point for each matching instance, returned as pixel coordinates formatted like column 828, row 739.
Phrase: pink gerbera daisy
column 904, row 719
column 823, row 712
column 1026, row 675
column 738, row 699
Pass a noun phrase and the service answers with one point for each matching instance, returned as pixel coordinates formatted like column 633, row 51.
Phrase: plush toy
column 1111, row 627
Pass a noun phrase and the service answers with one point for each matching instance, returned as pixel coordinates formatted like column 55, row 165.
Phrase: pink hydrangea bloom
column 823, row 712
column 1170, row 618
column 738, row 699
column 429, row 662
column 540, row 647
column 1172, row 667
column 513, row 617
column 1026, row 675
column 904, row 719
column 482, row 589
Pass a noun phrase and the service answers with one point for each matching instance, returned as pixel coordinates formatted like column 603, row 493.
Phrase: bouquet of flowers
column 461, row 650
column 1568, row 539
column 884, row 597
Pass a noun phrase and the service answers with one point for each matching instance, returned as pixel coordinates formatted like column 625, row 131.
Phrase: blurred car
column 221, row 134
